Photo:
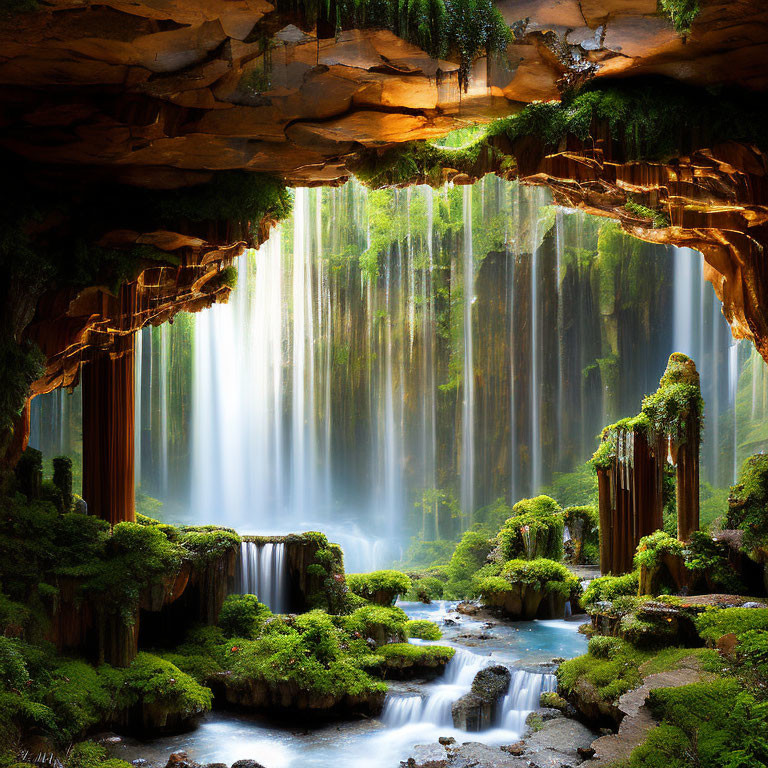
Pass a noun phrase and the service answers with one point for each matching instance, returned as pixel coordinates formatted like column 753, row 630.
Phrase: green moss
column 708, row 724
column 205, row 544
column 748, row 502
column 381, row 586
column 660, row 219
column 470, row 555
column 611, row 669
column 20, row 365
column 541, row 574
column 404, row 655
column 423, row 629
column 608, row 588
column 375, row 620
column 651, row 549
column 88, row 754
column 154, row 680
column 425, row 588
column 716, row 622
column 535, row 530
column 242, row 616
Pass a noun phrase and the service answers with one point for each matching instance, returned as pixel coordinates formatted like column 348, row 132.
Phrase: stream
column 414, row 713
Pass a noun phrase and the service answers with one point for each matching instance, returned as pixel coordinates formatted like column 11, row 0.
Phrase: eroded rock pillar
column 108, row 447
column 687, row 489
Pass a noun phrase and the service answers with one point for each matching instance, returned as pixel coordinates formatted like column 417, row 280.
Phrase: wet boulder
column 478, row 709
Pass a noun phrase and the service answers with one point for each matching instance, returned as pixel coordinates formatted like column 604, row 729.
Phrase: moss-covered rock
column 529, row 589
column 380, row 587
column 582, row 526
column 423, row 629
column 407, row 661
column 535, row 530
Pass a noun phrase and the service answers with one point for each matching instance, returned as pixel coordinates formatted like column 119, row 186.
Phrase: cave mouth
column 350, row 386
column 376, row 376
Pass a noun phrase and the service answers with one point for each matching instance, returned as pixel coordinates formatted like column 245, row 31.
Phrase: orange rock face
column 159, row 93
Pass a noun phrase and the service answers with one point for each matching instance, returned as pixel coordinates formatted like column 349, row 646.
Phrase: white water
column 435, row 707
column 468, row 394
column 262, row 571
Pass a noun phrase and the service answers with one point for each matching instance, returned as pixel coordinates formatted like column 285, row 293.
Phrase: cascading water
column 436, row 707
column 383, row 344
column 525, row 688
column 468, row 394
column 262, row 571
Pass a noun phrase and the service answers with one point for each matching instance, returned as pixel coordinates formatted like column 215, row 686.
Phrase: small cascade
column 525, row 689
column 262, row 571
column 402, row 710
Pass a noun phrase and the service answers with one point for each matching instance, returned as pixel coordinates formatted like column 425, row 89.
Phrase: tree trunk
column 108, row 451
column 687, row 489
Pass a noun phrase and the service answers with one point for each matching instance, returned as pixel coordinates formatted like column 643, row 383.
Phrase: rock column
column 108, row 447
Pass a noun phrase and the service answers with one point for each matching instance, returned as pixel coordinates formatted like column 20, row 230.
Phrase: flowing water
column 393, row 361
column 418, row 715
column 262, row 571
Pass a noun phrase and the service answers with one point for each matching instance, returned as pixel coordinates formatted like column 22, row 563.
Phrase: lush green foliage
column 242, row 616
column 748, row 502
column 651, row 549
column 709, row 724
column 658, row 218
column 535, row 530
column 607, row 588
column 469, row 556
column 402, row 655
column 610, row 666
column 541, row 574
column 423, row 629
column 381, row 586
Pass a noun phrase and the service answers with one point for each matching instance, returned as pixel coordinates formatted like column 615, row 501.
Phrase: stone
column 426, row 756
column 477, row 709
column 181, row 760
column 247, row 764
column 446, row 740
column 562, row 736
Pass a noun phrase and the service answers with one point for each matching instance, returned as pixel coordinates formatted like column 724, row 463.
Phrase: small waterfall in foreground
column 436, row 708
column 262, row 571
column 525, row 688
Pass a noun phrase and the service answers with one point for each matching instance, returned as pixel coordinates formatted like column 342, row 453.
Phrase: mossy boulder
column 534, row 531
column 379, row 587
column 583, row 538
column 529, row 589
column 406, row 661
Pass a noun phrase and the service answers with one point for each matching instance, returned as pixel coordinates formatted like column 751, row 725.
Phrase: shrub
column 376, row 621
column 425, row 588
column 534, row 531
column 241, row 615
column 469, row 556
column 542, row 574
column 87, row 754
column 423, row 629
column 607, row 588
column 748, row 502
column 611, row 674
column 152, row 679
column 651, row 549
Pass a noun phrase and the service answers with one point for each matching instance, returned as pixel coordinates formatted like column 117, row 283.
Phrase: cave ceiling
column 162, row 94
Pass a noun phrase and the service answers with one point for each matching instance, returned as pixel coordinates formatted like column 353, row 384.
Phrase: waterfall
column 436, row 707
column 525, row 689
column 535, row 376
column 163, row 484
column 262, row 571
column 139, row 342
column 468, row 394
